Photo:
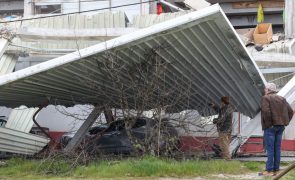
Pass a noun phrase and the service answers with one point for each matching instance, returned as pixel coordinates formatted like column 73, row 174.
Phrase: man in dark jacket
column 276, row 113
column 224, row 125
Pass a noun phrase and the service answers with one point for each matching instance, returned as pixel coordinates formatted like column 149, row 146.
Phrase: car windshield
column 116, row 126
column 139, row 122
column 119, row 125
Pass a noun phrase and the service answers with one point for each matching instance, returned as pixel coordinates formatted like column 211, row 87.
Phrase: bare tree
column 133, row 89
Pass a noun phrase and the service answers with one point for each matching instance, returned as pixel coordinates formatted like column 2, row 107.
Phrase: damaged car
column 144, row 134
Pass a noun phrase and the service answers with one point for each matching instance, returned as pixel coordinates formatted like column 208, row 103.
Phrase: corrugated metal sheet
column 104, row 19
column 12, row 137
column 48, row 47
column 21, row 119
column 19, row 142
column 7, row 63
column 3, row 45
column 204, row 51
column 78, row 21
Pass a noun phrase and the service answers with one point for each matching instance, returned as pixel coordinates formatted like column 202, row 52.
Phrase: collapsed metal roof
column 202, row 50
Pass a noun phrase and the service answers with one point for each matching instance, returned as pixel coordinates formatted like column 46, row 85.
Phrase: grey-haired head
column 270, row 88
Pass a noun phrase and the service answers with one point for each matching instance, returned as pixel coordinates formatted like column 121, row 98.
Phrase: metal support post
column 83, row 129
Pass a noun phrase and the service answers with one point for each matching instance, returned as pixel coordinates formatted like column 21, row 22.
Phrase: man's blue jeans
column 272, row 140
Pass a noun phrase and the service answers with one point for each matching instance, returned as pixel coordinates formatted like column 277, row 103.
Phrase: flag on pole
column 260, row 15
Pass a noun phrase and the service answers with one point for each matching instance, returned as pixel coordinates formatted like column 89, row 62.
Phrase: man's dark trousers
column 273, row 139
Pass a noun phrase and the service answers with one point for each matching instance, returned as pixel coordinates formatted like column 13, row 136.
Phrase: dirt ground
column 250, row 176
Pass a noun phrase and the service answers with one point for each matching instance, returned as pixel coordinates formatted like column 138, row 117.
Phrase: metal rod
column 171, row 5
column 284, row 172
column 34, row 120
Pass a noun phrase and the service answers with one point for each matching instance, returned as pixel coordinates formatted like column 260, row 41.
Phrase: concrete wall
column 105, row 5
column 11, row 7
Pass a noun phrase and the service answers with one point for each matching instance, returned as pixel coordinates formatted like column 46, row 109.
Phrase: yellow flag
column 260, row 16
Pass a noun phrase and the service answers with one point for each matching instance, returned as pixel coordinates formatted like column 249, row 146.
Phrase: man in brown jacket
column 224, row 125
column 276, row 113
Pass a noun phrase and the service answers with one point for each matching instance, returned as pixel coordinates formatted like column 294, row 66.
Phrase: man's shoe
column 266, row 173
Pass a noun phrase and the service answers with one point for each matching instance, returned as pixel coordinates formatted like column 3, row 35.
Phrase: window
column 48, row 9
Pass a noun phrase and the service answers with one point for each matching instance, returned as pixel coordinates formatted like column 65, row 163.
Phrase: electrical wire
column 57, row 15
column 282, row 77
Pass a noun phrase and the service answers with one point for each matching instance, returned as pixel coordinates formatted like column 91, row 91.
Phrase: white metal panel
column 288, row 91
column 3, row 45
column 21, row 119
column 19, row 142
column 7, row 63
column 203, row 46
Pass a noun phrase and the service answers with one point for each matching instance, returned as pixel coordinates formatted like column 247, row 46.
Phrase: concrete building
column 243, row 13
column 11, row 7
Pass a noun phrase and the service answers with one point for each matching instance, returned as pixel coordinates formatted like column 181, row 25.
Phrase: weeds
column 132, row 167
column 254, row 166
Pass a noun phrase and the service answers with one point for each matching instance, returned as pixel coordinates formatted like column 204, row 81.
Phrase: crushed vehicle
column 114, row 139
column 3, row 121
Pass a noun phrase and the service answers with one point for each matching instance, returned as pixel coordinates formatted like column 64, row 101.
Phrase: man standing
column 276, row 113
column 224, row 125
